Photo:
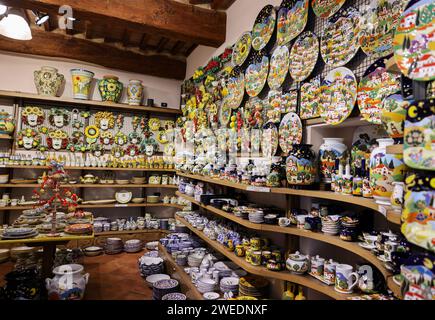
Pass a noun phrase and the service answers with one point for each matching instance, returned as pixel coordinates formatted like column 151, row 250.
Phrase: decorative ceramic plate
column 292, row 18
column 326, row 8
column 340, row 39
column 256, row 76
column 224, row 114
column 123, row 196
column 303, row 56
column 337, row 95
column 375, row 85
column 379, row 20
column 274, row 103
column 414, row 41
column 253, row 112
column 263, row 27
column 289, row 101
column 279, row 64
column 393, row 115
column 242, row 48
column 236, row 90
column 290, row 132
column 310, row 92
column 269, row 141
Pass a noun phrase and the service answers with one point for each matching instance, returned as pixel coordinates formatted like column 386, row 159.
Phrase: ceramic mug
column 3, row 202
column 317, row 265
column 371, row 240
column 240, row 250
column 283, row 222
column 343, row 278
column 14, row 202
column 256, row 258
column 265, row 257
column 255, row 243
column 329, row 271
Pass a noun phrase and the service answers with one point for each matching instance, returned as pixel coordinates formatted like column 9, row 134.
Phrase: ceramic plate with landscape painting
column 326, row 8
column 310, row 98
column 303, row 56
column 414, row 41
column 337, row 95
column 375, row 85
column 292, row 18
column 289, row 101
column 242, row 48
column 279, row 64
column 263, row 28
column 274, row 103
column 269, row 141
column 393, row 115
column 253, row 112
column 379, row 20
column 340, row 39
column 290, row 132
column 256, row 76
column 236, row 90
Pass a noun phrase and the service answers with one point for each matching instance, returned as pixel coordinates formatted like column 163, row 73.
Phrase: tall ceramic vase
column 110, row 88
column 135, row 92
column 81, row 80
column 393, row 115
column 384, row 170
column 330, row 150
column 48, row 81
column 301, row 165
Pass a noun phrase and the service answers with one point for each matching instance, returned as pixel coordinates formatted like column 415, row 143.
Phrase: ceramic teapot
column 69, row 283
column 297, row 263
column 89, row 179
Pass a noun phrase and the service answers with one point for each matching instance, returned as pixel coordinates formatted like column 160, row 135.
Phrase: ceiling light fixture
column 3, row 9
column 40, row 18
column 14, row 26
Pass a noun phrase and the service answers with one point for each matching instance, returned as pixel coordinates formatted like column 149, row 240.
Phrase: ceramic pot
column 301, row 165
column 393, row 115
column 69, row 283
column 297, row 263
column 81, row 80
column 135, row 92
column 48, row 81
column 110, row 88
column 330, row 150
column 384, row 170
column 7, row 125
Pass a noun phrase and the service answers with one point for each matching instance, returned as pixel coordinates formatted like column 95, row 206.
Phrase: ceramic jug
column 48, row 81
column 329, row 151
column 300, row 165
column 69, row 283
column 110, row 88
column 343, row 278
column 135, row 92
column 81, row 80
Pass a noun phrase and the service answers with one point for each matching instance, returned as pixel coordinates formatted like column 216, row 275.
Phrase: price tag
column 257, row 189
column 121, row 205
column 383, row 210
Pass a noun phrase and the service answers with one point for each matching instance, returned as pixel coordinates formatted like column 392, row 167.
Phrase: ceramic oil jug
column 48, row 81
column 330, row 150
column 110, row 88
column 69, row 283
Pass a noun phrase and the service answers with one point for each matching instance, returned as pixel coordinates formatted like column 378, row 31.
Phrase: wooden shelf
column 304, row 280
column 89, row 206
column 394, row 288
column 90, row 168
column 360, row 201
column 332, row 240
column 34, row 185
column 178, row 273
column 5, row 137
column 114, row 233
column 394, row 217
column 84, row 103
column 42, row 238
column 395, row 149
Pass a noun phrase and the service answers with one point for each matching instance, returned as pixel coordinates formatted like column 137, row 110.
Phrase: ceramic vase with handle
column 329, row 151
column 343, row 278
column 110, row 88
column 69, row 283
column 135, row 92
column 301, row 165
column 48, row 81
column 81, row 80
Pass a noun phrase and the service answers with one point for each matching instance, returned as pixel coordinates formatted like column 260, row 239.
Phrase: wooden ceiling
column 151, row 37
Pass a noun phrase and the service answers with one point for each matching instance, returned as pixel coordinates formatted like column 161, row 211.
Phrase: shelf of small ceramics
column 74, row 102
column 395, row 149
column 332, row 240
column 360, row 201
column 101, row 185
column 137, row 231
column 349, row 122
column 177, row 272
column 116, row 205
column 304, row 280
column 42, row 238
column 5, row 137
column 90, row 168
column 394, row 217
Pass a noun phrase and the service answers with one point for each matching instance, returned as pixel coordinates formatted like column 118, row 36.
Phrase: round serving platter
column 256, row 76
column 303, row 56
column 279, row 65
column 292, row 18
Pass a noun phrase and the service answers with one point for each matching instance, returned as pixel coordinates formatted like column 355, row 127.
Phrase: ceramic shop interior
column 258, row 150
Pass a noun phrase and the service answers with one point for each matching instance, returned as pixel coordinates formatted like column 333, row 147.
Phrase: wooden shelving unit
column 90, row 168
column 35, row 185
column 394, row 288
column 117, row 205
column 117, row 233
column 394, row 217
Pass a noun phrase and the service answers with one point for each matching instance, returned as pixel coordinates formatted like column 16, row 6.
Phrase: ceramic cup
column 329, row 270
column 14, row 202
column 317, row 265
column 3, row 203
column 283, row 222
column 301, row 221
column 343, row 278
column 370, row 240
column 255, row 243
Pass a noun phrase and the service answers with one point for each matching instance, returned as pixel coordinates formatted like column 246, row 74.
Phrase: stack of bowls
column 163, row 287
column 133, row 245
column 256, row 216
column 150, row 265
column 230, row 284
column 15, row 252
column 195, row 259
column 175, row 296
column 150, row 280
column 253, row 286
column 206, row 285
column 331, row 224
column 4, row 255
column 113, row 246
column 224, row 270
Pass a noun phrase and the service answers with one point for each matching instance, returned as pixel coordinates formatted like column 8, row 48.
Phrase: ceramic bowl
column 122, row 181
column 93, row 251
column 138, row 200
column 4, row 178
column 153, row 199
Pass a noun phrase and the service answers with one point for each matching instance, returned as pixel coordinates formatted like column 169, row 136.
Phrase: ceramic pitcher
column 343, row 278
column 48, row 81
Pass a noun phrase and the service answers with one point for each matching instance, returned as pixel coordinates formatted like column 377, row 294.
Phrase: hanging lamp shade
column 3, row 9
column 14, row 26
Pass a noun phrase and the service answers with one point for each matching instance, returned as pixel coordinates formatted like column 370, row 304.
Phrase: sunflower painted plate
column 340, row 39
column 289, row 101
column 414, row 41
column 379, row 21
column 375, row 85
column 326, row 8
column 241, row 49
column 236, row 90
column 279, row 65
column 290, row 132
column 337, row 95
column 269, row 141
column 310, row 92
column 263, row 27
column 256, row 76
column 292, row 18
column 303, row 56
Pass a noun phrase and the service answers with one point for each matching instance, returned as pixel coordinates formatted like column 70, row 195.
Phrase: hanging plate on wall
column 224, row 114
column 292, row 18
column 290, row 132
column 340, row 39
column 236, row 90
column 269, row 141
column 256, row 76
column 289, row 101
column 241, row 49
column 310, row 92
column 264, row 27
column 274, row 103
column 414, row 41
column 379, row 20
column 279, row 64
column 326, row 8
column 303, row 56
column 375, row 85
column 337, row 95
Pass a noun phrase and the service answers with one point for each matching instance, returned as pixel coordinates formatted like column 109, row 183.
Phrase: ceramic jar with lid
column 48, row 81
column 69, row 283
column 135, row 92
column 330, row 150
column 110, row 88
column 301, row 166
column 297, row 263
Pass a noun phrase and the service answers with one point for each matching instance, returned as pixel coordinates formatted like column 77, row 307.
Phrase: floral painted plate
column 253, row 112
column 256, row 76
column 337, row 95
column 379, row 21
column 269, row 141
column 310, row 92
column 292, row 18
column 236, row 90
column 263, row 27
column 303, row 56
column 340, row 39
column 289, row 101
column 274, row 103
column 242, row 48
column 414, row 41
column 375, row 85
column 279, row 64
column 326, row 8
column 290, row 132
column 224, row 114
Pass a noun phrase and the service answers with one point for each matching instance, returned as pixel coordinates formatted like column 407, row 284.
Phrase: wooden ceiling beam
column 161, row 45
column 221, row 4
column 177, row 46
column 168, row 18
column 53, row 44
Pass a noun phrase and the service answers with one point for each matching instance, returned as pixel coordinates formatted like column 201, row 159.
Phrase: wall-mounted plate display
column 236, row 90
column 241, row 49
column 256, row 76
column 337, row 95
column 310, row 99
column 264, row 27
column 290, row 132
column 303, row 56
column 292, row 18
column 289, row 101
column 279, row 64
column 274, row 104
column 269, row 141
column 326, row 8
column 224, row 114
column 340, row 39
